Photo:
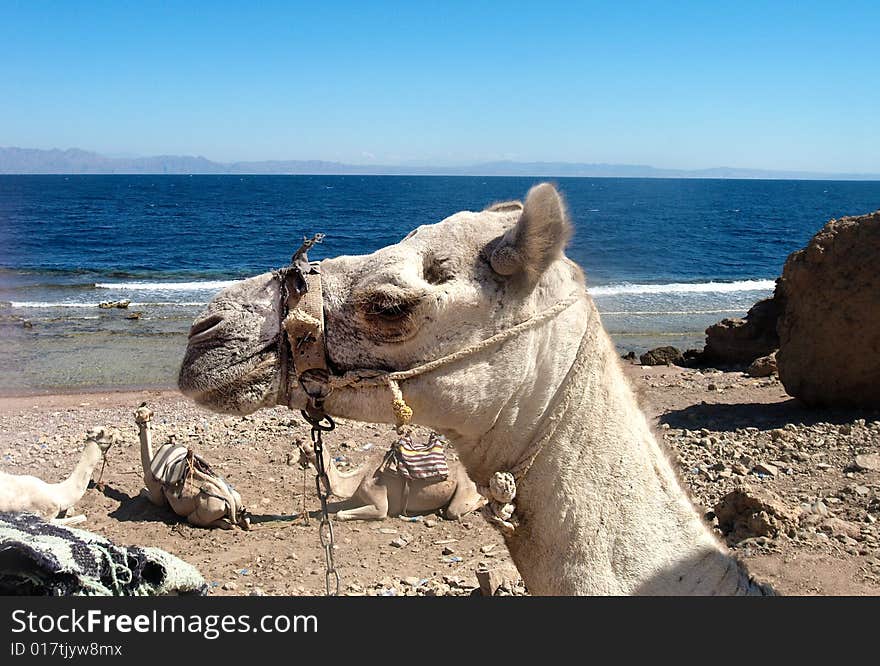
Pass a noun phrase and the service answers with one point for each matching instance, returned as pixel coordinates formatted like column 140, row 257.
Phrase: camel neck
column 342, row 484
column 74, row 486
column 145, row 436
column 601, row 510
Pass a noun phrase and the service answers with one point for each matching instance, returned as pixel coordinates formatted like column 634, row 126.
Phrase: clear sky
column 777, row 85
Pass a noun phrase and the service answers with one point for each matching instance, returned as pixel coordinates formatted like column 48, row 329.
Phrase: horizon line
column 99, row 164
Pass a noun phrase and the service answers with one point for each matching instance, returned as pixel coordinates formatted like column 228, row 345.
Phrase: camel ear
column 538, row 237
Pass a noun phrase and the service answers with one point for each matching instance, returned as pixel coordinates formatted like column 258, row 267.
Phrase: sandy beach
column 723, row 429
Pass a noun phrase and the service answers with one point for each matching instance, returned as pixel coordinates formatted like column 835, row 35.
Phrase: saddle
column 418, row 461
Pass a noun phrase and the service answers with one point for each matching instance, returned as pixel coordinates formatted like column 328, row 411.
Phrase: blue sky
column 778, row 85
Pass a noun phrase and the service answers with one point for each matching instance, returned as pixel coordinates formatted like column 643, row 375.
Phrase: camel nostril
column 205, row 325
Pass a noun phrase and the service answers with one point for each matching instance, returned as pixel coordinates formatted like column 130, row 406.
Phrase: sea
column 664, row 258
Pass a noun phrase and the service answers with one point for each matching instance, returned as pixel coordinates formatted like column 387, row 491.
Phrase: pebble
column 867, row 462
column 766, row 468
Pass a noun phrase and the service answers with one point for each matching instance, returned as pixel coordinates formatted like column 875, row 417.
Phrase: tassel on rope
column 403, row 413
column 499, row 511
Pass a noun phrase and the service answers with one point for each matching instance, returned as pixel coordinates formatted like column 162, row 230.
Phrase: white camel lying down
column 376, row 493
column 29, row 494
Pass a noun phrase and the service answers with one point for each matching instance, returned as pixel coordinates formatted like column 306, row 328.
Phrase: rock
column 492, row 579
column 435, row 589
column 765, row 468
column 741, row 341
column 108, row 305
column 837, row 528
column 867, row 462
column 747, row 512
column 692, row 357
column 763, row 367
column 230, row 586
column 829, row 327
column 448, row 551
column 399, row 542
column 662, row 356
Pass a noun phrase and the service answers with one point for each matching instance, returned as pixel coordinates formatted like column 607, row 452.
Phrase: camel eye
column 390, row 312
column 388, row 309
column 437, row 269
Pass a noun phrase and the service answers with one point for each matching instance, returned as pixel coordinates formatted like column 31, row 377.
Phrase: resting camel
column 202, row 497
column 376, row 495
column 536, row 392
column 28, row 494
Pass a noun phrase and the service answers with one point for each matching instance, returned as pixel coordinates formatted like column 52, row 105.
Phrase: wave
column 205, row 285
column 668, row 312
column 684, row 288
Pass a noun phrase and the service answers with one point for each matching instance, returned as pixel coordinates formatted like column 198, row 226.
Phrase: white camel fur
column 203, row 500
column 600, row 511
column 376, row 493
column 29, row 494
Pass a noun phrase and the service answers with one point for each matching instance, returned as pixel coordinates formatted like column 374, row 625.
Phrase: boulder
column 741, row 341
column 662, row 356
column 829, row 328
column 764, row 366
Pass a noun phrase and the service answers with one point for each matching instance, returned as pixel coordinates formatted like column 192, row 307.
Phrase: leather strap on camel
column 301, row 334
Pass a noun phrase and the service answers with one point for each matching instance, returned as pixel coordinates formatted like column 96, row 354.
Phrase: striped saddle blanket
column 172, row 464
column 420, row 461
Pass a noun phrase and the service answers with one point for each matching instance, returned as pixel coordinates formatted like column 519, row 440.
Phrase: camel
column 29, row 494
column 376, row 495
column 534, row 399
column 196, row 493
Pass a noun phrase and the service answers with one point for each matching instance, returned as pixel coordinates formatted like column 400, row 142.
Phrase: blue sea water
column 663, row 258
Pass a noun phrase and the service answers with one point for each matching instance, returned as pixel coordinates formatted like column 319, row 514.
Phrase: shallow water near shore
column 664, row 258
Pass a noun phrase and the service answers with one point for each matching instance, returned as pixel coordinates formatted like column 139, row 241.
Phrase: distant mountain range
column 75, row 161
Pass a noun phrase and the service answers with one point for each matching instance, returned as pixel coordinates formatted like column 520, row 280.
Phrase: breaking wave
column 684, row 288
column 206, row 285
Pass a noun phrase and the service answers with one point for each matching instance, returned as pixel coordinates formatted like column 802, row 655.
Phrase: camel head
column 443, row 287
column 103, row 437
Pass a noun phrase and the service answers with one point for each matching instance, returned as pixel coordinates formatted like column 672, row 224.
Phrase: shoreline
column 85, row 390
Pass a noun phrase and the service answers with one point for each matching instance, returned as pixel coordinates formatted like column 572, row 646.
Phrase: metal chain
column 305, row 513
column 322, row 423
